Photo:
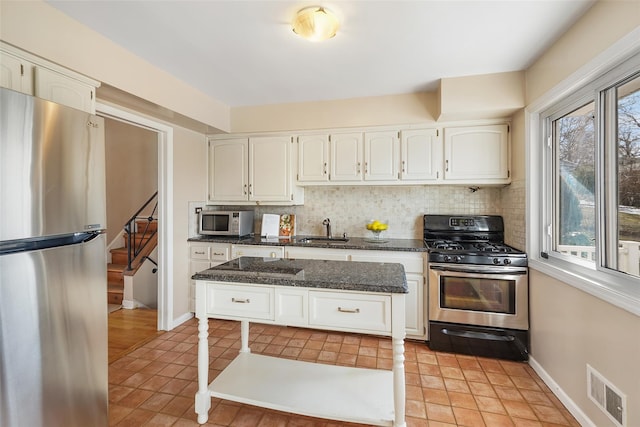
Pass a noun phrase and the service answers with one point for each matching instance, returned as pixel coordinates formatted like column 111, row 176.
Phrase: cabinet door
column 421, row 152
column 414, row 306
column 292, row 306
column 64, row 90
column 346, row 156
column 477, row 154
column 257, row 250
column 313, row 158
column 380, row 156
column 228, row 174
column 294, row 252
column 270, row 169
column 16, row 73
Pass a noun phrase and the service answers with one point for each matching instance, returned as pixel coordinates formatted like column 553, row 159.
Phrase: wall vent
column 607, row 397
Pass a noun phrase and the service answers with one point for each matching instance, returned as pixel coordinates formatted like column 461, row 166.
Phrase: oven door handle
column 479, row 335
column 475, row 271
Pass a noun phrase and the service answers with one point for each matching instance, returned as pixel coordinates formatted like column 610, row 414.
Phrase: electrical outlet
column 198, row 210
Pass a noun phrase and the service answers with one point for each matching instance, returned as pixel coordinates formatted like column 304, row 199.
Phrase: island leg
column 397, row 341
column 203, row 399
column 244, row 337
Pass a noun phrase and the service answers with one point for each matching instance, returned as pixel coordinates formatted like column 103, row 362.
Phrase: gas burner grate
column 492, row 247
column 446, row 245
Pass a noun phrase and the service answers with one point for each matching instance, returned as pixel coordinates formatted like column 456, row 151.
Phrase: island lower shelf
column 306, row 388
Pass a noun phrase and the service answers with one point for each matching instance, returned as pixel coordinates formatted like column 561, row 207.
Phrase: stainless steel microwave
column 225, row 223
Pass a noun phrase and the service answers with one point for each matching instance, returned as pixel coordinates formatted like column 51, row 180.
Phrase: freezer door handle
column 36, row 244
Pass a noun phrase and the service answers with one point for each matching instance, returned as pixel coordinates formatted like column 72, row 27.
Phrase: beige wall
column 568, row 327
column 189, row 184
column 373, row 111
column 42, row 30
column 605, row 23
column 132, row 172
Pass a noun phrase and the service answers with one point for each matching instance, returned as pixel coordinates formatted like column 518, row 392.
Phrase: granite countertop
column 311, row 273
column 406, row 245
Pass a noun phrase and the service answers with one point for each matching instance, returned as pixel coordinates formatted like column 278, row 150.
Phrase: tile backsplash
column 351, row 207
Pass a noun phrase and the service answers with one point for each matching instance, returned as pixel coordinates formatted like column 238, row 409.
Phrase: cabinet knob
column 245, row 189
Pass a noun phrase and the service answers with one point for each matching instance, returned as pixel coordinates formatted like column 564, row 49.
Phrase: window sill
column 621, row 292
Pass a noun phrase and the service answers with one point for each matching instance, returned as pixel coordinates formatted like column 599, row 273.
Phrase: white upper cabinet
column 477, row 154
column 421, row 152
column 254, row 170
column 16, row 73
column 346, row 156
column 59, row 88
column 313, row 158
column 32, row 75
column 270, row 169
column 381, row 154
column 229, row 170
column 352, row 157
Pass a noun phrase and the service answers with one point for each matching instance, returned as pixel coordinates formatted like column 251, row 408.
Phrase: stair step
column 150, row 226
column 138, row 238
column 115, row 272
column 119, row 256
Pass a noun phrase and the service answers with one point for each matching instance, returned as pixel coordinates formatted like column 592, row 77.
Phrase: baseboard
column 180, row 320
column 575, row 410
column 129, row 304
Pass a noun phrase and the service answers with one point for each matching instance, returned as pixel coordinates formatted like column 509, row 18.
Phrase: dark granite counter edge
column 358, row 243
column 321, row 274
column 257, row 279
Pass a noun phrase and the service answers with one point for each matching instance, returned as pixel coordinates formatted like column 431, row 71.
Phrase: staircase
column 118, row 268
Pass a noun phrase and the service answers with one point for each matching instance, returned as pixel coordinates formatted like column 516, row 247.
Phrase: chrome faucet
column 327, row 222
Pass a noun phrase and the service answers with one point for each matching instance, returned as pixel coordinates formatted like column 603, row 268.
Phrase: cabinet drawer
column 239, row 300
column 219, row 254
column 199, row 252
column 364, row 312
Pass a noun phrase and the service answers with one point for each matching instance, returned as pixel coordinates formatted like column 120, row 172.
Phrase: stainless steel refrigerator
column 53, row 296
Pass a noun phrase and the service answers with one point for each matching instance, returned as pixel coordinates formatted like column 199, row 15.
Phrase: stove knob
column 456, row 258
column 507, row 261
column 496, row 261
column 446, row 258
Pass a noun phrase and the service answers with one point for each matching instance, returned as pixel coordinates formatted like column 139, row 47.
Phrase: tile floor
column 155, row 384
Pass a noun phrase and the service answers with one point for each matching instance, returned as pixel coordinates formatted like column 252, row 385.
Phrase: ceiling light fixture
column 315, row 23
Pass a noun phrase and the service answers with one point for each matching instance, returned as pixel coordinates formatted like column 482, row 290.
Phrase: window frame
column 589, row 83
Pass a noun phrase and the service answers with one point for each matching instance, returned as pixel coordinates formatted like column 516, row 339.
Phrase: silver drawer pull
column 348, row 310
column 218, row 253
column 199, row 253
column 240, row 301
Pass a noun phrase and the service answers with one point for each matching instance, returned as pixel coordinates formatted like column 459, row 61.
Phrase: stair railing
column 136, row 239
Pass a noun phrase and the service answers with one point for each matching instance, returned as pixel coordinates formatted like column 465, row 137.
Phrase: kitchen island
column 360, row 297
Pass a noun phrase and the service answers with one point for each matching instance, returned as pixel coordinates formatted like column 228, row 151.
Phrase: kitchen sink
column 323, row 239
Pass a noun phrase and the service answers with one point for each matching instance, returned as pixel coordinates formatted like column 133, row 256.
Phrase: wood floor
column 130, row 329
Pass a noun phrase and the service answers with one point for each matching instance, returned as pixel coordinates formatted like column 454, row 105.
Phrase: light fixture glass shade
column 315, row 23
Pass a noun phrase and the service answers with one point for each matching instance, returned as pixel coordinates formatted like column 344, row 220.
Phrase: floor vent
column 608, row 398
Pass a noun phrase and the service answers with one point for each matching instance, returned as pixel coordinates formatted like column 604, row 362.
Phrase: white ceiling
column 244, row 52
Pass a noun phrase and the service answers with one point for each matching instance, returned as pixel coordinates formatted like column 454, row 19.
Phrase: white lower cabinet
column 355, row 312
column 293, row 252
column 257, row 251
column 202, row 256
column 292, row 306
column 414, row 268
column 413, row 262
column 248, row 301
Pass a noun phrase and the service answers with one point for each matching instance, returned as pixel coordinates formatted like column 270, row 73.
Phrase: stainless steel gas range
column 478, row 288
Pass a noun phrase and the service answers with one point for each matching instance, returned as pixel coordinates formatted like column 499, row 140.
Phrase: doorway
column 164, row 137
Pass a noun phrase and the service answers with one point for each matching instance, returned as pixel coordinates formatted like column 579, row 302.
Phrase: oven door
column 483, row 295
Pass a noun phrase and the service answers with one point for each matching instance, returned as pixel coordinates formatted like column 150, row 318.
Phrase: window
column 591, row 196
